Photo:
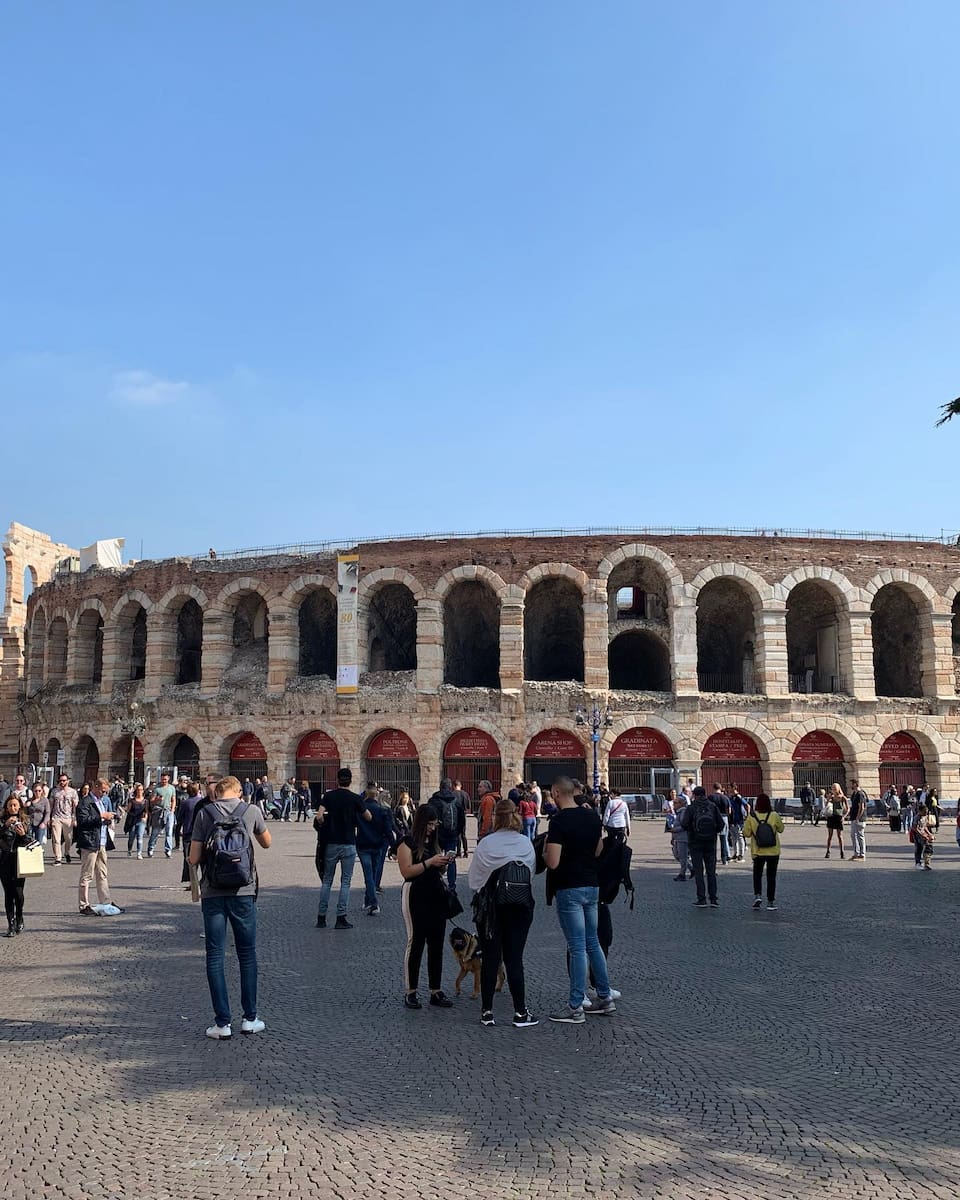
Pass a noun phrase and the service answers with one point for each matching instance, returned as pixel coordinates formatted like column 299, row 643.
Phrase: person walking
column 451, row 824
column 806, row 804
column 229, row 897
column 679, row 841
column 373, row 838
column 738, row 814
column 836, row 809
column 489, row 798
column 505, row 922
column 135, row 821
column 893, row 810
column 924, row 832
column 616, row 818
column 288, row 792
column 186, row 815
column 14, row 834
column 574, row 840
column 338, row 815
column 303, row 801
column 163, row 811
column 763, row 829
column 819, row 804
column 527, row 811
column 703, row 825
column 63, row 808
column 423, row 902
column 94, row 839
column 722, row 802
column 858, row 822
column 37, row 807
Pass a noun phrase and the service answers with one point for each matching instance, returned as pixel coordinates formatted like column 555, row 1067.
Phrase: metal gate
column 901, row 775
column 248, row 768
column 744, row 775
column 546, row 770
column 470, row 771
column 819, row 775
column 320, row 774
column 635, row 774
column 396, row 775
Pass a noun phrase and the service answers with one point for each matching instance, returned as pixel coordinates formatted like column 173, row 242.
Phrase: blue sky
column 289, row 271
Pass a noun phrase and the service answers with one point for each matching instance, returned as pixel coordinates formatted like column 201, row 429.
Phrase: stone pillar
column 683, row 649
column 161, row 666
column 283, row 648
column 429, row 645
column 937, row 658
column 867, row 775
column 688, row 767
column 511, row 639
column 596, row 637
column 217, row 646
column 945, row 777
column 861, row 684
column 778, row 778
column 116, row 657
column 771, row 651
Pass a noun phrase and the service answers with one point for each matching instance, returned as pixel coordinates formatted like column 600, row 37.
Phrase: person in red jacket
column 485, row 809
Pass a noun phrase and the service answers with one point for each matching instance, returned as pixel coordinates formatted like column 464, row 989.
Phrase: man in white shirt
column 616, row 817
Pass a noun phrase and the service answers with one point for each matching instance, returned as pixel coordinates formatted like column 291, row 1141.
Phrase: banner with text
column 348, row 667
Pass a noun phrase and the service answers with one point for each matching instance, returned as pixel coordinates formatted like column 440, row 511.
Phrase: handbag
column 29, row 860
column 454, row 907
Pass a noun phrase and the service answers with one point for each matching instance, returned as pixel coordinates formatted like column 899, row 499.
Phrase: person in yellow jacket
column 762, row 830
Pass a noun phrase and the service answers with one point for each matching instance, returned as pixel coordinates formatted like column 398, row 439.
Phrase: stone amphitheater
column 761, row 660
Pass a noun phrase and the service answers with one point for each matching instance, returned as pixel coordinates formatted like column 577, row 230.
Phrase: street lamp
column 596, row 721
column 133, row 725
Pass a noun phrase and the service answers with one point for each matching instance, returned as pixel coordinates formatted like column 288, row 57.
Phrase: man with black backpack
column 703, row 824
column 451, row 823
column 221, row 840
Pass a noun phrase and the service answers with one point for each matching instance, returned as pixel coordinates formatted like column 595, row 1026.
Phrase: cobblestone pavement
column 754, row 1054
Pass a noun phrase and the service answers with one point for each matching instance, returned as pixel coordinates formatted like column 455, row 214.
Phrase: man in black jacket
column 451, row 823
column 703, row 823
column 94, row 821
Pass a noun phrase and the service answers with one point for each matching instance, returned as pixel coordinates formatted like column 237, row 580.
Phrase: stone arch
column 932, row 742
column 924, row 593
column 296, row 592
column 227, row 744
column 728, row 632
column 181, row 591
column 682, row 748
column 898, row 635
column 375, row 579
column 188, row 644
column 639, row 550
column 387, row 618
column 466, row 573
column 86, row 755
column 133, row 596
column 760, row 591
column 639, row 660
column 88, row 633
column 817, row 629
column 37, row 647
column 290, row 742
column 226, row 600
column 553, row 628
column 471, row 632
column 766, row 742
column 848, row 737
column 245, row 603
column 838, row 584
column 553, row 570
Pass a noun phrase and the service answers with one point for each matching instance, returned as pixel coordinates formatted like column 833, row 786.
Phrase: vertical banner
column 348, row 669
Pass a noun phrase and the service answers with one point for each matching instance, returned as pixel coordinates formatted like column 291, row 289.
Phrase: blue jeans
column 346, row 856
column 577, row 912
column 285, row 811
column 241, row 912
column 530, row 827
column 167, row 827
column 135, row 836
column 450, row 841
column 368, row 861
column 381, row 859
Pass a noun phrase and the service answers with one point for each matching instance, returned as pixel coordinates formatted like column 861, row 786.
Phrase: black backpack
column 514, row 886
column 704, row 822
column 613, row 871
column 228, row 851
column 765, row 835
column 448, row 815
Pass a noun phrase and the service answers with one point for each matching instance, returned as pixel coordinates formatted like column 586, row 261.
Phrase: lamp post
column 134, row 725
column 597, row 721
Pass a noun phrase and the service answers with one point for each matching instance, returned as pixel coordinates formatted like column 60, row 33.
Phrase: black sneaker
column 342, row 923
column 411, row 1000
column 524, row 1020
column 699, row 904
column 439, row 1000
column 714, row 903
column 486, row 1018
column 69, row 859
column 321, row 922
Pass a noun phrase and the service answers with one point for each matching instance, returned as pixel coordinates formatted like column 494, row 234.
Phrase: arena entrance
column 641, row 761
column 732, row 757
column 471, row 755
column 901, row 763
column 88, row 754
column 393, row 762
column 318, row 761
column 120, row 760
column 248, row 758
column 551, row 753
column 818, row 761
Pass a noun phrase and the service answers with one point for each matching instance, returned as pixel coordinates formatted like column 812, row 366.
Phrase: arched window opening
column 392, row 629
column 637, row 590
column 189, row 642
column 138, row 646
column 57, row 651
column 120, row 759
column 955, row 630
column 639, row 661
column 51, row 757
column 185, row 757
column 897, row 643
column 37, row 646
column 89, row 648
column 471, row 635
column 726, row 636
column 553, row 631
column 317, row 621
column 88, row 759
column 29, row 582
column 813, row 640
column 251, row 637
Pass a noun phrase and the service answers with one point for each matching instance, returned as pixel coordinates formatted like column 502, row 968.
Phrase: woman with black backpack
column 501, row 873
column 762, row 829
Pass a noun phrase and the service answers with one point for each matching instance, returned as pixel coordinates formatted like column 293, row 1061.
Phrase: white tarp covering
column 107, row 553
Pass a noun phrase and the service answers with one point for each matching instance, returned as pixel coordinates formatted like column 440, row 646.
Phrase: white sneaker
column 219, row 1032
column 139, row 856
column 587, row 1002
column 254, row 1026
column 592, row 993
column 919, row 866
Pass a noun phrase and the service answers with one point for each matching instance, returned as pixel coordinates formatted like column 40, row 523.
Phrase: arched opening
column 471, row 635
column 88, row 648
column 554, row 752
column 901, row 763
column 955, row 631
column 392, row 629
column 189, row 643
column 317, row 622
column 732, row 759
column 897, row 643
column 639, row 661
column 33, row 754
column 637, row 590
column 184, row 756
column 472, row 755
column 318, row 761
column 120, row 759
column 818, row 761
column 248, row 758
column 37, row 650
column 641, row 761
column 53, row 759
column 813, row 639
column 393, row 762
column 132, row 641
column 251, row 637
column 29, row 582
column 726, row 638
column 553, row 631
column 57, row 651
column 88, row 759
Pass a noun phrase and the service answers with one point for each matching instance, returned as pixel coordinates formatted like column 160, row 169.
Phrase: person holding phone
column 423, row 900
column 14, row 833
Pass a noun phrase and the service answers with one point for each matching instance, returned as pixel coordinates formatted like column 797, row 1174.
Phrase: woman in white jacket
column 506, row 936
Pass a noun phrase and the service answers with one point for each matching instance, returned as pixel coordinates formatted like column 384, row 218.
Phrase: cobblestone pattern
column 753, row 1054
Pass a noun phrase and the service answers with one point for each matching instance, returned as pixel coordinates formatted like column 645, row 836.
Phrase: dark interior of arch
column 138, row 645
column 812, row 624
column 57, row 650
column 186, row 753
column 897, row 644
column 725, row 638
column 955, row 626
column 89, row 648
column 318, row 634
column 33, row 754
column 189, row 642
column 392, row 629
column 471, row 635
column 553, row 631
column 250, row 622
column 641, row 583
column 639, row 661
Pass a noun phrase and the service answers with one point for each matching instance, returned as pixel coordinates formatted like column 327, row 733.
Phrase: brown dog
column 466, row 950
